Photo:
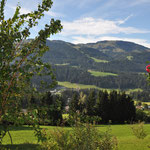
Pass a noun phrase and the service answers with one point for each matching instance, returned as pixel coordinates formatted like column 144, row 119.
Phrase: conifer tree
column 74, row 103
column 90, row 103
column 104, row 107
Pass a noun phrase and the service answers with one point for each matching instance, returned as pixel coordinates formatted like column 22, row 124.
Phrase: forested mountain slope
column 85, row 63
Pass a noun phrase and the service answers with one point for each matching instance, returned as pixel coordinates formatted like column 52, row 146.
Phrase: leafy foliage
column 81, row 137
column 138, row 130
column 21, row 58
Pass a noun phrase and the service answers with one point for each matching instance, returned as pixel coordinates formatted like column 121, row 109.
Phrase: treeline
column 87, row 105
column 143, row 96
column 114, row 107
column 122, row 81
column 49, row 107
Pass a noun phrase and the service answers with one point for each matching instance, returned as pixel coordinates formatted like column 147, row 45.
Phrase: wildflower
column 148, row 68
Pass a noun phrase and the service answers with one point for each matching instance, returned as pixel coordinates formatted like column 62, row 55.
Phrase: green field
column 65, row 64
column 77, row 86
column 101, row 74
column 148, row 103
column 80, row 86
column 133, row 90
column 75, row 66
column 99, row 60
column 130, row 57
column 83, row 86
column 23, row 137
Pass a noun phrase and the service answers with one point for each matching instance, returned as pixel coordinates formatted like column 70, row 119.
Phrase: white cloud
column 90, row 39
column 92, row 26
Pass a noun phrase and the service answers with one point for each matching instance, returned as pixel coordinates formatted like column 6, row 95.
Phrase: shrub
column 138, row 130
column 57, row 140
column 108, row 142
column 141, row 115
column 81, row 137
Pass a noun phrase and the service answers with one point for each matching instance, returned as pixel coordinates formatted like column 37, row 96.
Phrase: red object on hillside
column 148, row 68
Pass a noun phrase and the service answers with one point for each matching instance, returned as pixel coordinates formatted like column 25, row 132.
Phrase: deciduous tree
column 20, row 58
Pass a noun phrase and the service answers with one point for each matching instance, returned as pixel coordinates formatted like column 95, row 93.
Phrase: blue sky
column 86, row 21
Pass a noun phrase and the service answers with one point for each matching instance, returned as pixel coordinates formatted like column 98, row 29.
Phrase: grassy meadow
column 148, row 103
column 130, row 57
column 23, row 137
column 101, row 74
column 76, row 85
column 83, row 86
column 133, row 90
column 65, row 64
column 99, row 60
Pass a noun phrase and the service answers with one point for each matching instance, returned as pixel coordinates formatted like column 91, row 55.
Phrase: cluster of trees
column 78, row 75
column 143, row 96
column 89, row 105
column 48, row 106
column 114, row 107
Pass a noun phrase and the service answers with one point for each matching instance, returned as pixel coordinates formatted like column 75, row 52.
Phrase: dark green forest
column 72, row 63
column 87, row 105
column 127, row 60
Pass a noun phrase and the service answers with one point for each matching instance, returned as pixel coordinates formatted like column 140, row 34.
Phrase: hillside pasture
column 83, row 86
column 133, row 90
column 65, row 64
column 77, row 86
column 99, row 60
column 148, row 103
column 101, row 74
column 130, row 57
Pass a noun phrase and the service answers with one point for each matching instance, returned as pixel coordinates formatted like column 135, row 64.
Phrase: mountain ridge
column 72, row 63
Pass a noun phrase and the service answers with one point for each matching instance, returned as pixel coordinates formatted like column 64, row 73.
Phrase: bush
column 141, row 115
column 81, row 137
column 57, row 140
column 108, row 142
column 138, row 130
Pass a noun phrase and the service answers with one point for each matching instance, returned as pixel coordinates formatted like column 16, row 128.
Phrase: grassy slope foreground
column 126, row 140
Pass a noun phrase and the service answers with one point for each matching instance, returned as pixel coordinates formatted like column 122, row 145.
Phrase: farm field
column 99, row 60
column 148, row 103
column 83, row 86
column 101, row 74
column 23, row 137
column 76, row 85
column 65, row 64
